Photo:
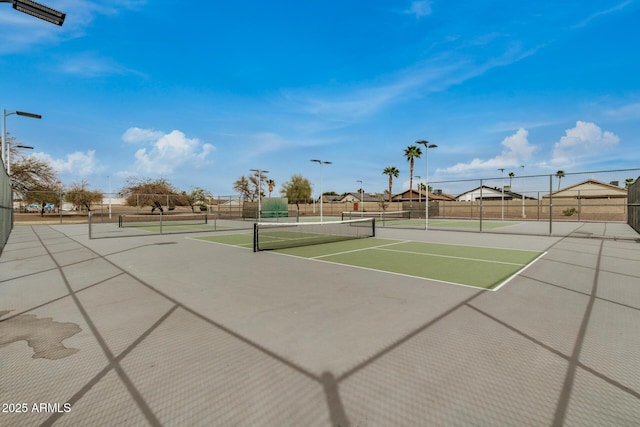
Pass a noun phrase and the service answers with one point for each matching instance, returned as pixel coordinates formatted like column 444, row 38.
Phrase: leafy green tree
column 197, row 196
column 32, row 174
column 393, row 172
column 297, row 190
column 559, row 175
column 411, row 153
column 43, row 195
column 78, row 194
column 150, row 192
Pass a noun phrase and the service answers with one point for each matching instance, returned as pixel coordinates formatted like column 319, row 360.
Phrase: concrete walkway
column 167, row 330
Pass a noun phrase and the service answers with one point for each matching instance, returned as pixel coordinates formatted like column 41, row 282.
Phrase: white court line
column 517, row 273
column 360, row 249
column 393, row 272
column 472, row 246
column 450, row 256
column 239, row 245
column 478, row 288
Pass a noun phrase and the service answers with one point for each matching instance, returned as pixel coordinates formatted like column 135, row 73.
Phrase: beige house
column 414, row 195
column 589, row 200
column 590, row 189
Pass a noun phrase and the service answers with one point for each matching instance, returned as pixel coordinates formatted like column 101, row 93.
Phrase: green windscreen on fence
column 274, row 207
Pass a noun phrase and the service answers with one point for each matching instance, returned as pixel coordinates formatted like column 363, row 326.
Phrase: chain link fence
column 579, row 203
column 6, row 207
column 595, row 203
column 634, row 205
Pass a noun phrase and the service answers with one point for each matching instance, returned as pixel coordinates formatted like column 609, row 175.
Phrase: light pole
column 523, row 188
column 5, row 146
column 39, row 11
column 427, row 145
column 361, row 196
column 321, row 162
column 109, row 178
column 27, row 147
column 259, row 172
column 502, row 195
column 418, row 185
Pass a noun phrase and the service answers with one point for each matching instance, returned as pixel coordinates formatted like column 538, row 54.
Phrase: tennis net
column 268, row 236
column 161, row 220
column 382, row 215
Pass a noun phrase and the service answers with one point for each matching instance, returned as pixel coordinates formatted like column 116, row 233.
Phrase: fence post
column 579, row 205
column 550, row 204
column 481, row 205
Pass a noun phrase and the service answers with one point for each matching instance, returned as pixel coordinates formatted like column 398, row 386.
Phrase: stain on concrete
column 43, row 335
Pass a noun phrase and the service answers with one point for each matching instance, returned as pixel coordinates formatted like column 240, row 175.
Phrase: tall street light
column 38, row 10
column 502, row 195
column 26, row 147
column 321, row 162
column 5, row 146
column 259, row 172
column 361, row 196
column 427, row 145
column 418, row 185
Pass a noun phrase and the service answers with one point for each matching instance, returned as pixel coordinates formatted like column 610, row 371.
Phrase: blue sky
column 199, row 93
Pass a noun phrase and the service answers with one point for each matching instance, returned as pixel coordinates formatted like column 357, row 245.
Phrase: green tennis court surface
column 481, row 267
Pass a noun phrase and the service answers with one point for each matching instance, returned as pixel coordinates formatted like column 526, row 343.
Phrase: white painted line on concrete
column 449, row 256
column 518, row 272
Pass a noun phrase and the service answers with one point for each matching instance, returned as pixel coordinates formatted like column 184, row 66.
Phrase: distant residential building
column 489, row 193
column 589, row 189
column 414, row 195
column 355, row 197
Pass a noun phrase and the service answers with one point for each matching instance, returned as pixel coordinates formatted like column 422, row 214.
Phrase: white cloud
column 598, row 14
column 419, row 9
column 168, row 151
column 434, row 74
column 136, row 135
column 517, row 150
column 626, row 112
column 90, row 65
column 77, row 164
column 585, row 140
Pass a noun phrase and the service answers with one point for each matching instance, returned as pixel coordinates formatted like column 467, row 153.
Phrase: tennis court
column 475, row 266
column 356, row 332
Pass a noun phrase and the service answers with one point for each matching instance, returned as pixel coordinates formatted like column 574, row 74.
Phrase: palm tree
column 411, row 152
column 272, row 185
column 560, row 175
column 511, row 175
column 393, row 172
